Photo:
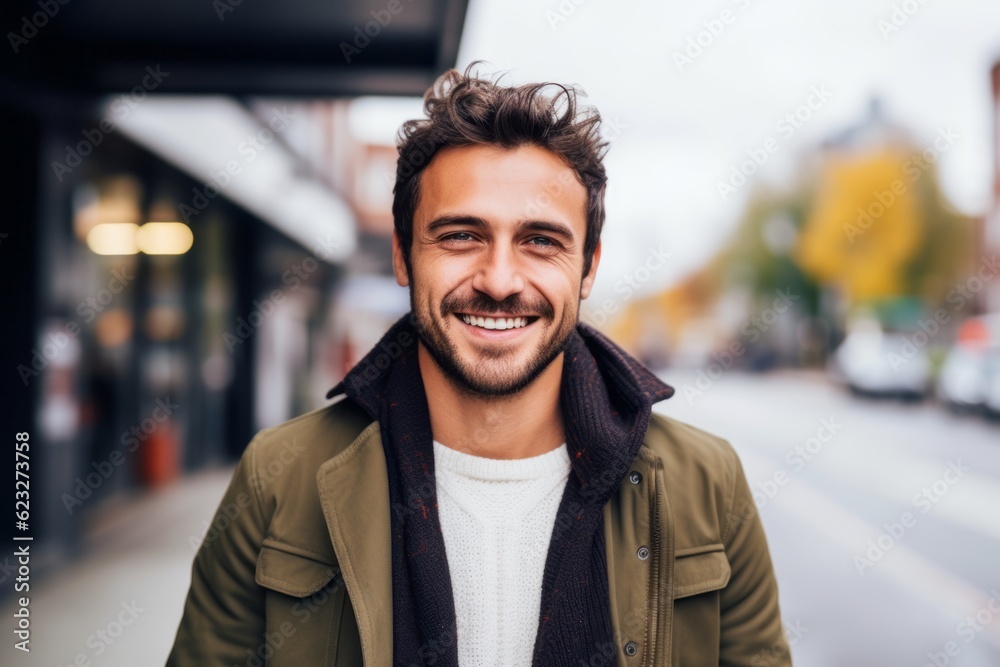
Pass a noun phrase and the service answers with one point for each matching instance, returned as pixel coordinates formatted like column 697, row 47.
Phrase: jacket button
column 631, row 648
column 642, row 553
column 635, row 477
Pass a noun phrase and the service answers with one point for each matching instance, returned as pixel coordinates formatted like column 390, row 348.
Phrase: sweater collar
column 606, row 397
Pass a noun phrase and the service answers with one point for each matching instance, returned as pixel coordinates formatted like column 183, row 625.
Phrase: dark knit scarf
column 606, row 397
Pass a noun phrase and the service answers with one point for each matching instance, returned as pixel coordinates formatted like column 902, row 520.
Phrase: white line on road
column 911, row 570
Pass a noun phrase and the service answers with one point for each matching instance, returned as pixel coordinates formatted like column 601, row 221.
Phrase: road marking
column 909, row 569
column 970, row 502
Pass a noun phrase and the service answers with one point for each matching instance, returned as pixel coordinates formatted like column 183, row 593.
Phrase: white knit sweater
column 497, row 517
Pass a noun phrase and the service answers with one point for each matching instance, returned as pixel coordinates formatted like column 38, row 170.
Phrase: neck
column 525, row 424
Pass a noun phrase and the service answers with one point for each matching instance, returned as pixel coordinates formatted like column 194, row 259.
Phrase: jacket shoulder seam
column 734, row 472
column 294, row 420
column 254, row 479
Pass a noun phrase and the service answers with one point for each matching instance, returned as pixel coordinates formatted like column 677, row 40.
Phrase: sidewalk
column 120, row 604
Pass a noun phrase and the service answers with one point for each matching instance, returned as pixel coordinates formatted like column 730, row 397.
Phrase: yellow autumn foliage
column 865, row 227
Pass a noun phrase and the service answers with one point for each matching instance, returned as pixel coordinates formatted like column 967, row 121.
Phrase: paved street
column 860, row 479
column 919, row 483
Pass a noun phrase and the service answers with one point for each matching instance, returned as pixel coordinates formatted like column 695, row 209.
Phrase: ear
column 398, row 264
column 588, row 280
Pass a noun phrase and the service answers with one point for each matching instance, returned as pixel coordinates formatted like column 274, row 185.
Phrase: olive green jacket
column 295, row 569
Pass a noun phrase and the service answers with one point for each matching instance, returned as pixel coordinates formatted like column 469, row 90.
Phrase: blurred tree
column 881, row 231
column 949, row 252
column 864, row 229
column 758, row 258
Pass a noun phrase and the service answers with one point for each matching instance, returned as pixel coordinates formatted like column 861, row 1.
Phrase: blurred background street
column 803, row 238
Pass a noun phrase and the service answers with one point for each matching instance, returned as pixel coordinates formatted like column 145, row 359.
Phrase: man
column 491, row 486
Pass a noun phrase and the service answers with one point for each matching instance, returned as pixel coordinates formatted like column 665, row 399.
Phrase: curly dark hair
column 463, row 109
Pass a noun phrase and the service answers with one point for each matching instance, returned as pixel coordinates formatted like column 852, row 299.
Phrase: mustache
column 514, row 306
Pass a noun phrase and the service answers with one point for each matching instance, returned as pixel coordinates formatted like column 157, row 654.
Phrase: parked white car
column 877, row 362
column 969, row 379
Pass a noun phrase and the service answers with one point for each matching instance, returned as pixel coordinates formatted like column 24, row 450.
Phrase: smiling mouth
column 496, row 323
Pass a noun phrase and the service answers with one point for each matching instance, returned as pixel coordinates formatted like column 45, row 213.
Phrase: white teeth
column 499, row 323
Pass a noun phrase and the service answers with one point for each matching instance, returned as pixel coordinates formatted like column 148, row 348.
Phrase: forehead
column 501, row 185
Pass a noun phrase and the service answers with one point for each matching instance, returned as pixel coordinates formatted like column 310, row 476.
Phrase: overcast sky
column 687, row 122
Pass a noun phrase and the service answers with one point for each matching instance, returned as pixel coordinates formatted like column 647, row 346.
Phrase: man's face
column 497, row 233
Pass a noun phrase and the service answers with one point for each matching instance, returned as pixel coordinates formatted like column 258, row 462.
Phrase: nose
column 500, row 274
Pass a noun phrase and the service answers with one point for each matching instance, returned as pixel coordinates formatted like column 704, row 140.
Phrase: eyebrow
column 443, row 221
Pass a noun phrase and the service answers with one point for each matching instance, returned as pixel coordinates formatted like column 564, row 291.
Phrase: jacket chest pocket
column 700, row 574
column 304, row 604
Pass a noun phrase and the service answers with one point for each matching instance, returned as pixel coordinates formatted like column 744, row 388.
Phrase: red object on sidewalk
column 159, row 456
